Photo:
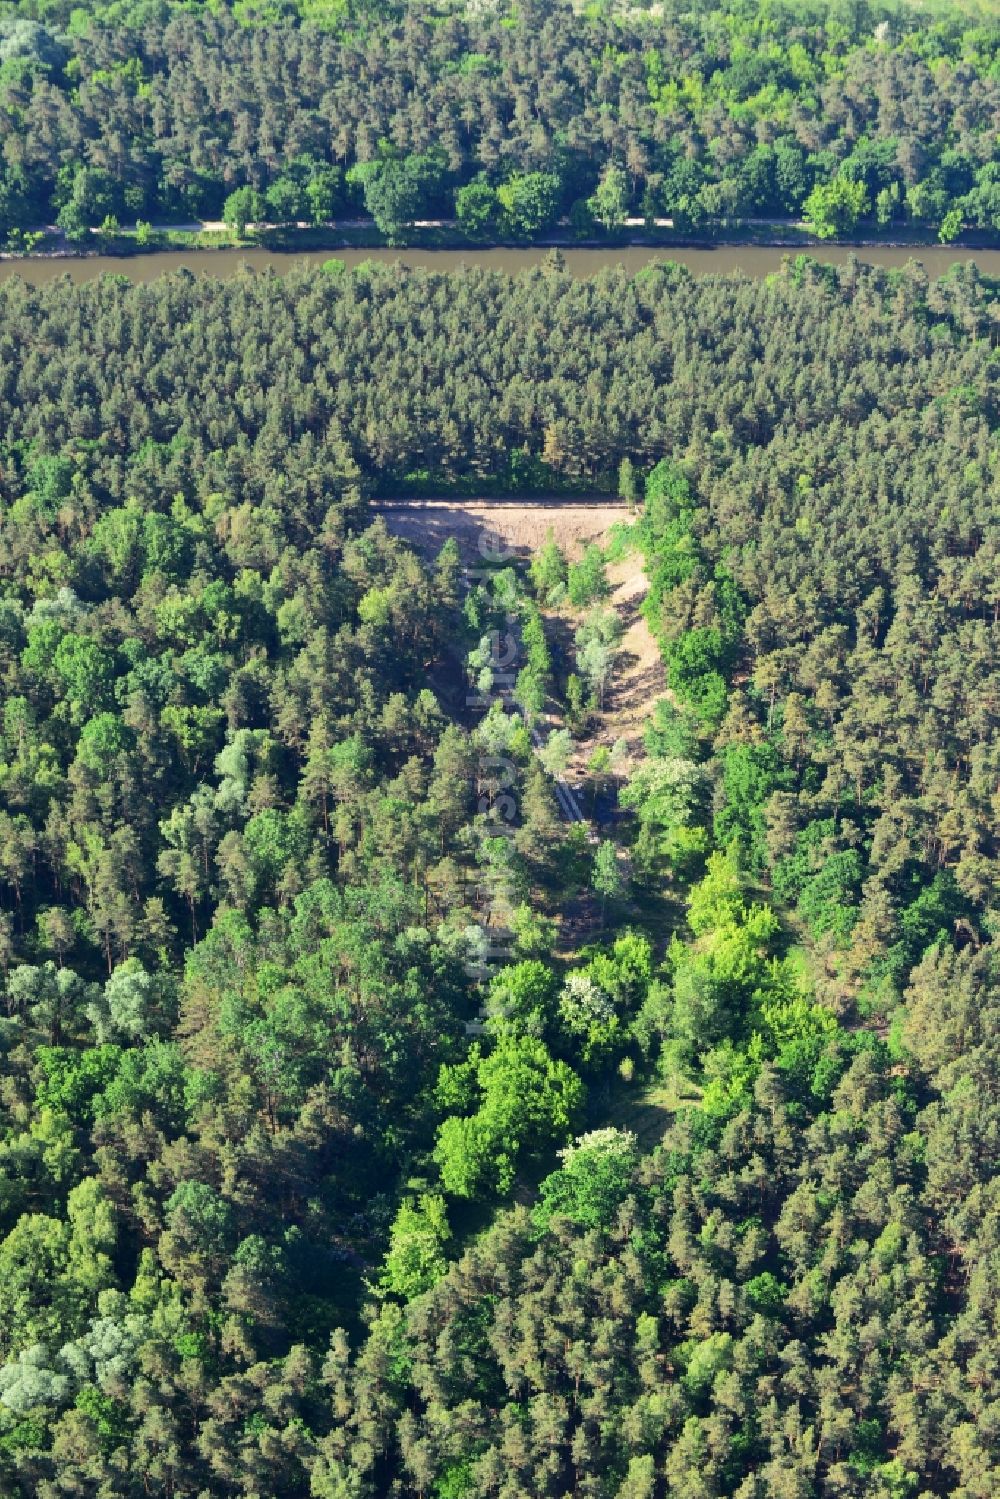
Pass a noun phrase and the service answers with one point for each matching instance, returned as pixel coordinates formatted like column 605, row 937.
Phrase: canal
column 752, row 260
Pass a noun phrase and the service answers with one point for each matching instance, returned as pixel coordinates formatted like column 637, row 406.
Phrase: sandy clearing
column 522, row 525
column 640, row 678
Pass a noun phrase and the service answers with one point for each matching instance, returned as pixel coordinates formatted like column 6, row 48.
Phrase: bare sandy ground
column 521, row 524
column 640, row 678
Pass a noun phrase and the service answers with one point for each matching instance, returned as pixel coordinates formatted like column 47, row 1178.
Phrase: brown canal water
column 751, row 260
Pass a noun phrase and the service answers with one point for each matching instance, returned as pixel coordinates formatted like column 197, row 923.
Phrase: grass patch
column 644, row 1108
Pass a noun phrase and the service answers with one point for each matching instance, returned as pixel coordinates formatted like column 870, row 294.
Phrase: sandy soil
column 521, row 525
column 639, row 679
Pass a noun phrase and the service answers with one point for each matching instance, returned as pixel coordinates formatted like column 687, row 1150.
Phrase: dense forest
column 507, row 118
column 314, row 1179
